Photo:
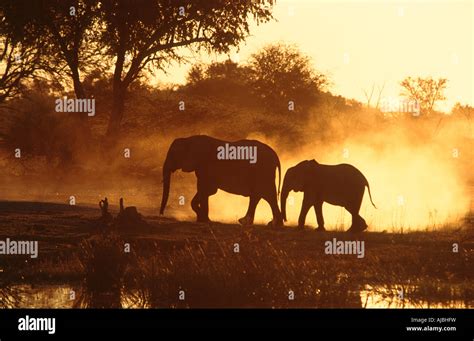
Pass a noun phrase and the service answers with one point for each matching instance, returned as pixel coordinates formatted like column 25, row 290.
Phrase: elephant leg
column 204, row 208
column 304, row 211
column 318, row 209
column 200, row 202
column 200, row 205
column 277, row 218
column 358, row 223
column 363, row 223
column 195, row 205
column 250, row 215
column 203, row 197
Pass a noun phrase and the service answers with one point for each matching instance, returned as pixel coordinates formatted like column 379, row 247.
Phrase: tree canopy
column 426, row 91
column 273, row 76
column 128, row 37
column 281, row 73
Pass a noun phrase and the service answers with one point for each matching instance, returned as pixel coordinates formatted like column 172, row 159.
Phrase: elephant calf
column 341, row 185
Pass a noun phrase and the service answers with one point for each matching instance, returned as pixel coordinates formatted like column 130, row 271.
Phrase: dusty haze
column 419, row 172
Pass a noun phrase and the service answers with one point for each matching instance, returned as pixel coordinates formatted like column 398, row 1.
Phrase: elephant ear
column 182, row 154
column 189, row 160
column 194, row 155
column 307, row 175
column 300, row 176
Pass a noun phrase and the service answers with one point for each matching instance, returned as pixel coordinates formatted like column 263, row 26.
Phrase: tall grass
column 103, row 263
column 280, row 269
column 259, row 275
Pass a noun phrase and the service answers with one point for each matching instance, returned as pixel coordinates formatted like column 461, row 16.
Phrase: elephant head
column 181, row 155
column 295, row 180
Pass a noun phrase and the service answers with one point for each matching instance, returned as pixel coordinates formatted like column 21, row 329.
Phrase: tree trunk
column 83, row 136
column 78, row 88
column 118, row 95
column 79, row 91
column 117, row 111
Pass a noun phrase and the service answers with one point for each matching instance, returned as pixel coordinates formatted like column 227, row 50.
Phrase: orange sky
column 361, row 43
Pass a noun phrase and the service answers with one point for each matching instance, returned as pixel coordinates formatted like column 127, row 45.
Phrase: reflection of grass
column 424, row 266
column 260, row 275
column 423, row 293
column 10, row 295
column 264, row 271
column 64, row 268
column 440, row 292
column 98, row 262
column 201, row 261
column 103, row 261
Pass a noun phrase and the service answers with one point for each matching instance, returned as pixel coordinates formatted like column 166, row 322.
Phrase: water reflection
column 397, row 296
column 38, row 296
column 59, row 296
column 114, row 277
column 99, row 299
column 104, row 264
column 10, row 296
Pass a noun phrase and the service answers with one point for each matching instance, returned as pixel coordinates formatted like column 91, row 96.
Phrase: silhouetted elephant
column 217, row 166
column 341, row 185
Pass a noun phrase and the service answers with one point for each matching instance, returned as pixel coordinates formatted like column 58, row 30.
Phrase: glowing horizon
column 360, row 44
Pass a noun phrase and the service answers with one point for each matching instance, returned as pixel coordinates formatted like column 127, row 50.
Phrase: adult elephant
column 341, row 185
column 244, row 167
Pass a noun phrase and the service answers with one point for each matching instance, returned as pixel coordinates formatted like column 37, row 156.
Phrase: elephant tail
column 279, row 176
column 370, row 195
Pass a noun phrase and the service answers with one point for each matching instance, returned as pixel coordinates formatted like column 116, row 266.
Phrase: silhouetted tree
column 225, row 81
column 427, row 91
column 18, row 62
column 281, row 73
column 196, row 74
column 63, row 30
column 465, row 111
column 131, row 35
column 369, row 95
column 148, row 34
column 228, row 69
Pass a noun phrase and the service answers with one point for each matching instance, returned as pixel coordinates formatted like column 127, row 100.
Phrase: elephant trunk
column 284, row 195
column 166, row 187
